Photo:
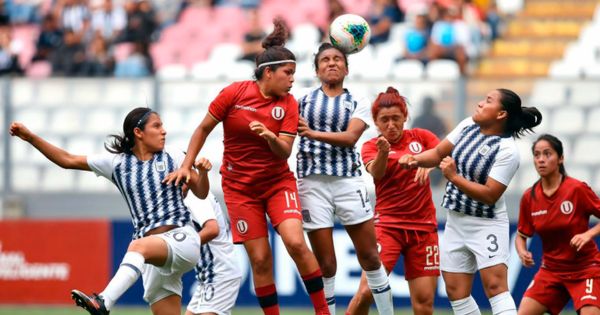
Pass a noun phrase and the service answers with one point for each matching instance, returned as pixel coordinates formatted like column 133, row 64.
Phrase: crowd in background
column 99, row 38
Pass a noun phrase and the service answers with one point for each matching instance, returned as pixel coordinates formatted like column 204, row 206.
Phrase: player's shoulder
column 575, row 184
column 419, row 132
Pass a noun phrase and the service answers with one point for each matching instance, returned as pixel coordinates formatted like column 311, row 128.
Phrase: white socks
column 329, row 290
column 379, row 284
column 127, row 274
column 504, row 304
column 466, row 306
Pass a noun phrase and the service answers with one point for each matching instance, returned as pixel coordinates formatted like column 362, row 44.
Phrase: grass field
column 52, row 310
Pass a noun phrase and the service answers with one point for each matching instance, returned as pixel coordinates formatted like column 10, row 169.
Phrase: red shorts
column 247, row 206
column 554, row 292
column 419, row 248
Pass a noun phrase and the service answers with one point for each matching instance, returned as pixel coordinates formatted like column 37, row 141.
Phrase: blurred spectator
column 382, row 14
column 141, row 22
column 22, row 11
column 69, row 58
column 98, row 63
column 493, row 20
column 428, row 119
column 251, row 45
column 75, row 16
column 336, row 8
column 448, row 38
column 50, row 39
column 9, row 63
column 135, row 65
column 416, row 39
column 108, row 19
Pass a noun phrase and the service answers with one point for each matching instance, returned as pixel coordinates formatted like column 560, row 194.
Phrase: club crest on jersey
column 566, row 207
column 349, row 105
column 160, row 166
column 278, row 113
column 485, row 149
column 415, row 147
column 242, row 226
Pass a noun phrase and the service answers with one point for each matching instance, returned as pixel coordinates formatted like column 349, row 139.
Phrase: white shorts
column 470, row 243
column 218, row 297
column 324, row 197
column 184, row 252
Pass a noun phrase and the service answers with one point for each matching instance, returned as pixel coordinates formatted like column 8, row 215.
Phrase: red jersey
column 556, row 219
column 247, row 157
column 401, row 202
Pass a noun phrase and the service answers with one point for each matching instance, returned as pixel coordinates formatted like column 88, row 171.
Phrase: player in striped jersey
column 165, row 244
column 218, row 275
column 479, row 158
column 260, row 121
column 329, row 183
column 558, row 208
column 405, row 222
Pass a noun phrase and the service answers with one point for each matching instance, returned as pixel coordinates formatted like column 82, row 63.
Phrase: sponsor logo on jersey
column 278, row 112
column 292, row 211
column 539, row 212
column 566, row 207
column 485, row 149
column 415, row 147
column 242, row 226
column 160, row 166
column 242, row 107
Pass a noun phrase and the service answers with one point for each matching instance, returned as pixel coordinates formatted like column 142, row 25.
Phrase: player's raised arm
column 55, row 154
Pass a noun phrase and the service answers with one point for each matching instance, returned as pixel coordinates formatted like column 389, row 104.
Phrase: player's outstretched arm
column 199, row 184
column 55, row 154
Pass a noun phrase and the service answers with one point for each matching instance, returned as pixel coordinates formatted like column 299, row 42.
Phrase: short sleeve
column 506, row 163
column 289, row 126
column 525, row 226
column 589, row 200
column 363, row 111
column 368, row 151
column 429, row 139
column 103, row 164
column 454, row 135
column 202, row 209
column 220, row 106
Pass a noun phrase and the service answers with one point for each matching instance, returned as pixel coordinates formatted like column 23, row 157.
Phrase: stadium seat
column 206, row 71
column 85, row 145
column 238, row 71
column 172, row 72
column 225, row 53
column 585, row 94
column 87, row 94
column 580, row 172
column 579, row 56
column 55, row 178
column 27, row 178
column 23, row 91
column 101, row 121
column 180, row 94
column 65, row 120
column 123, row 50
column 35, row 119
column 549, row 93
column 88, row 181
column 584, row 150
column 53, row 92
column 524, row 146
column 562, row 70
column 408, row 70
column 592, row 71
column 527, row 175
column 39, row 70
column 593, row 123
column 596, row 181
column 172, row 120
column 567, row 121
column 442, row 70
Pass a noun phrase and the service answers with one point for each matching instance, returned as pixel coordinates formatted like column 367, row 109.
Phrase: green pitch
column 52, row 310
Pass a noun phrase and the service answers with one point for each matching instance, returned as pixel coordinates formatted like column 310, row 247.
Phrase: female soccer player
column 329, row 182
column 479, row 158
column 165, row 244
column 260, row 121
column 405, row 221
column 217, row 272
column 558, row 208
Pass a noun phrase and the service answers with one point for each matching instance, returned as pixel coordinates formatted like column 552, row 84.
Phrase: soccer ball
column 350, row 33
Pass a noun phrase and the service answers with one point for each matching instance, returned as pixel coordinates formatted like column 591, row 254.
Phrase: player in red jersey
column 405, row 221
column 558, row 208
column 260, row 121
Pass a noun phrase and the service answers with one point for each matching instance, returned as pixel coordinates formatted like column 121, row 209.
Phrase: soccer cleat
column 94, row 305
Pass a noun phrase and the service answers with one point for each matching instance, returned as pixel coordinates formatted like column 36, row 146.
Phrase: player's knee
column 137, row 246
column 364, row 295
column 296, row 247
column 493, row 288
column 328, row 267
column 369, row 260
column 422, row 303
column 262, row 265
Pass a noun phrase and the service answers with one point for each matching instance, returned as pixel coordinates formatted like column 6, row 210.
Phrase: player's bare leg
column 530, row 306
column 422, row 294
column 495, row 285
column 458, row 287
column 321, row 241
column 167, row 305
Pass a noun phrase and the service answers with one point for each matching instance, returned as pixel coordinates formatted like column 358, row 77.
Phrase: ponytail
column 137, row 118
column 274, row 55
column 521, row 120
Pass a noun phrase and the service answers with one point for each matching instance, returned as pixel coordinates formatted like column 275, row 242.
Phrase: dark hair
column 274, row 50
column 324, row 47
column 520, row 119
column 137, row 118
column 557, row 146
column 390, row 98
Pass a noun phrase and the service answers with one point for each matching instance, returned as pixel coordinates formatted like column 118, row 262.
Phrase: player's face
column 489, row 110
column 390, row 122
column 154, row 134
column 281, row 80
column 332, row 67
column 546, row 159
